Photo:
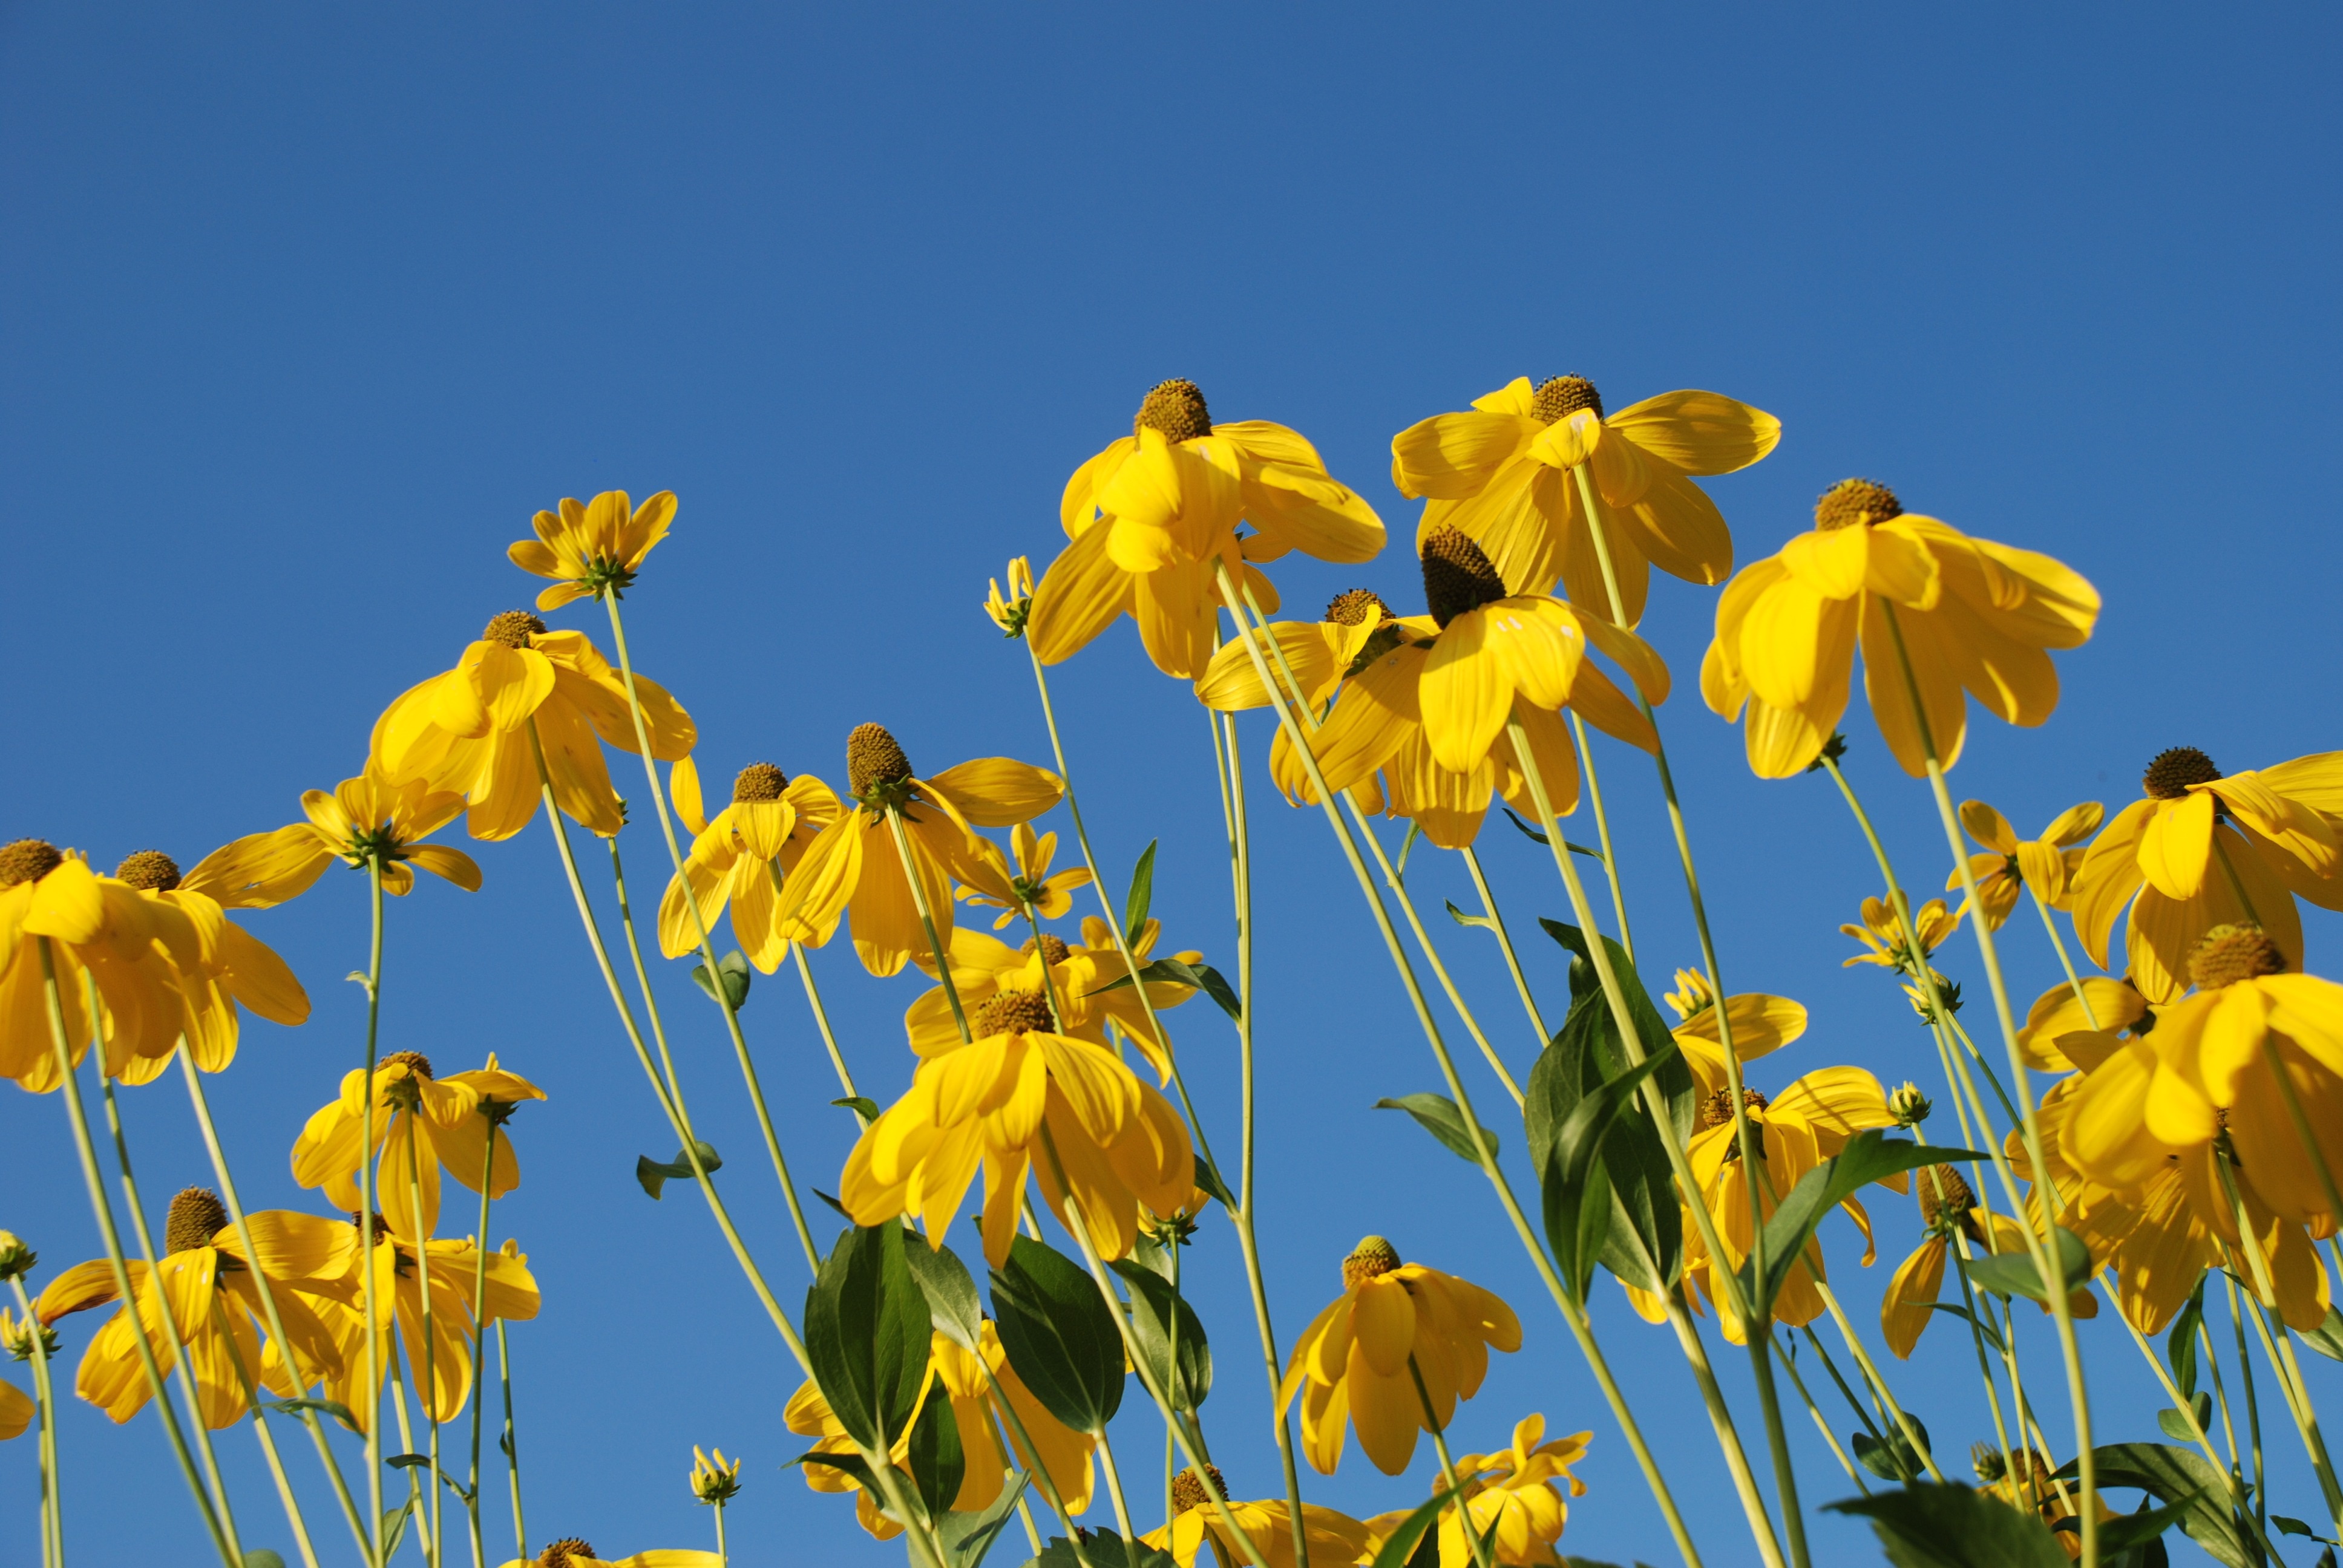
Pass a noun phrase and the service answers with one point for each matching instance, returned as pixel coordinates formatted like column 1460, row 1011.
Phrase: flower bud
column 716, row 1481
column 1908, row 1105
column 16, row 1259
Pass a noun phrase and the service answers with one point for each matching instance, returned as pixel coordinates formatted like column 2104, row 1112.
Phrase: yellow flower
column 984, row 967
column 1501, row 475
column 594, row 548
column 854, row 867
column 995, row 1102
column 2197, row 842
column 134, row 948
column 1009, row 611
column 717, row 1480
column 1033, row 890
column 1518, row 1491
column 2106, row 1008
column 1882, row 934
column 740, row 860
column 511, row 1293
column 1151, row 515
column 520, row 690
column 1761, row 1024
column 215, row 1303
column 17, row 1411
column 1973, row 614
column 364, row 818
column 431, row 1122
column 1947, row 1205
column 2010, row 865
column 1267, row 1524
column 1358, row 1361
column 572, row 1552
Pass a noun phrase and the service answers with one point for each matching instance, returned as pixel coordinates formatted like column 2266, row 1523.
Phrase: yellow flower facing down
column 512, row 1295
column 739, row 861
column 1032, row 891
column 1008, row 612
column 1154, row 515
column 595, row 548
column 2063, row 1031
column 854, row 867
column 363, row 818
column 1975, row 617
column 1501, row 475
column 572, row 1552
column 17, row 1411
column 1003, row 1102
column 1947, row 1207
column 1761, row 1024
column 1267, row 1525
column 420, row 1123
column 1078, row 974
column 1356, row 1363
column 207, row 1285
column 521, row 691
column 2206, row 849
column 2010, row 865
column 1522, row 1493
column 1882, row 934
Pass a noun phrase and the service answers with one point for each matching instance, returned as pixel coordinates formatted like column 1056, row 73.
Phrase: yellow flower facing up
column 365, row 819
column 518, row 692
column 1008, row 612
column 714, row 1481
column 1761, row 1024
column 1521, row 1494
column 512, row 1296
column 572, row 1552
column 1974, row 616
column 997, row 1102
column 207, row 1283
column 1152, row 516
column 1501, row 475
column 853, row 867
column 1077, row 974
column 1947, row 1208
column 420, row 1123
column 2010, row 865
column 1032, row 891
column 1267, row 1525
column 740, row 860
column 2206, row 849
column 1882, row 935
column 1357, row 1362
column 593, row 548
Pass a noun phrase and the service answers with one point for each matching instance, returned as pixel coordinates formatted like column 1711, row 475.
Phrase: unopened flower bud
column 16, row 1259
column 1908, row 1105
column 17, row 1336
column 716, row 1481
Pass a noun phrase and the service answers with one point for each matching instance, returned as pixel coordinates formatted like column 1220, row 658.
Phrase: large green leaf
column 967, row 1536
column 1945, row 1526
column 1181, row 1361
column 1060, row 1337
column 934, row 1454
column 954, row 1307
column 1200, row 977
column 1868, row 1156
column 1438, row 1115
column 2172, row 1475
column 866, row 1331
column 1675, row 1083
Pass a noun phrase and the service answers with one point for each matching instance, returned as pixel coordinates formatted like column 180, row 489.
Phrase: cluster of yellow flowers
column 2194, row 1092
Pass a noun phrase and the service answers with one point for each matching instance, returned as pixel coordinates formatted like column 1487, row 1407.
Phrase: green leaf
column 1208, row 1177
column 734, row 967
column 2180, row 1344
column 1060, row 1337
column 1199, row 977
column 1106, row 1551
column 1142, row 891
column 862, row 1105
column 263, row 1558
column 954, row 1307
column 2174, row 1423
column 2172, row 1475
column 2126, row 1531
column 1576, row 1186
column 835, row 1204
column 1984, row 1325
column 1675, row 1083
column 405, row 1460
column 934, row 1454
column 1946, row 1526
column 1155, row 1307
column 867, row 1333
column 1462, row 919
column 1868, row 1156
column 394, row 1525
column 2297, row 1527
column 1892, row 1458
column 334, row 1407
column 655, row 1176
column 1407, row 845
column 2014, row 1274
column 2327, row 1339
column 1400, row 1544
column 967, row 1536
column 1438, row 1115
column 1540, row 838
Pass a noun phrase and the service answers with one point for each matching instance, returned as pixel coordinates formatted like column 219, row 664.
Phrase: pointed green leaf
column 1181, row 1361
column 2171, row 1475
column 2327, row 1339
column 934, row 1454
column 1575, row 1184
column 334, row 1407
column 1676, row 1082
column 862, row 1105
column 394, row 1527
column 1943, row 1526
column 2181, row 1343
column 654, row 1175
column 967, row 1536
column 734, row 967
column 1462, row 919
column 1892, row 1458
column 1868, row 1156
column 867, row 1330
column 1438, row 1115
column 2013, row 1273
column 1208, row 1177
column 1061, row 1338
column 1537, row 834
column 1398, row 1546
column 954, row 1307
column 2174, row 1423
column 1143, row 892
column 1197, row 977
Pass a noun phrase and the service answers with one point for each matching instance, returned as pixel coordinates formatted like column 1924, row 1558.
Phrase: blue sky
column 304, row 311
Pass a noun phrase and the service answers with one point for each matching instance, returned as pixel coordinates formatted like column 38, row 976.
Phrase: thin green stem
column 53, row 1535
column 1889, row 1403
column 1870, row 1427
column 428, row 1375
column 1023, row 1450
column 369, row 1220
column 267, row 1439
column 1602, row 831
column 416, row 1512
column 510, row 1442
column 480, row 1333
column 1123, row 1523
column 1790, row 1364
column 2059, row 943
column 821, row 1014
column 2280, row 1346
column 1448, row 1478
column 1728, row 1436
column 1505, row 943
column 2253, row 1403
column 723, row 1557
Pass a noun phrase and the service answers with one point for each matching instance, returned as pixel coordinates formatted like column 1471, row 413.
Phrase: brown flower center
column 2174, row 769
column 1717, row 1109
column 1188, row 1491
column 1456, row 576
column 151, row 870
column 1563, row 396
column 874, row 757
column 1360, row 607
column 2231, row 953
column 559, row 1554
column 1014, row 1012
column 1054, row 950
column 1853, row 501
column 28, row 861
column 415, row 1062
column 1372, row 1257
column 1177, row 409
column 1943, row 1195
column 195, row 1216
column 760, row 781
column 513, row 628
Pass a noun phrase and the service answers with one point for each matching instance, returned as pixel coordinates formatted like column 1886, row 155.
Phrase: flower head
column 1266, row 1525
column 1884, row 936
column 1033, row 891
column 445, row 1368
column 572, row 1552
column 1008, row 612
column 421, row 1122
column 714, row 1481
column 740, row 859
column 1517, row 1497
column 16, row 1259
column 593, row 549
column 2009, row 864
column 231, row 965
column 366, row 819
column 1081, row 975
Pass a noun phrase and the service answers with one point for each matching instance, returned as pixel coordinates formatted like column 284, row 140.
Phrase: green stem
column 1023, row 1450
column 1728, row 1436
column 1456, row 1488
column 366, row 1222
column 1893, row 1406
column 2280, row 1346
column 2074, row 981
column 1830, row 1366
column 53, row 1535
column 260, row 1432
column 821, row 1014
column 416, row 1512
column 1505, row 943
column 511, row 1442
column 480, row 1335
column 1790, row 1365
column 2253, row 1403
column 1602, row 831
column 1123, row 1523
column 426, row 1387
column 723, row 1557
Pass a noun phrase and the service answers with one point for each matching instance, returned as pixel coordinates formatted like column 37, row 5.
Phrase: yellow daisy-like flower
column 1501, row 475
column 1882, row 934
column 207, row 1283
column 521, row 691
column 1947, row 1206
column 1974, row 616
column 2204, row 850
column 1267, row 1525
column 1518, row 1492
column 1152, row 515
column 995, row 1102
column 741, row 859
column 134, row 948
column 441, row 1120
column 512, row 1296
column 1358, row 1362
column 2010, row 865
column 363, row 818
column 954, row 1373
column 572, row 1552
column 1761, row 1024
column 2105, row 1009
column 1008, row 612
column 1077, row 974
column 853, row 865
column 593, row 549
column 1033, row 891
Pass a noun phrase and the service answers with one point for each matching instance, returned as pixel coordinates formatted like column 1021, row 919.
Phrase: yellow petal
column 1699, row 432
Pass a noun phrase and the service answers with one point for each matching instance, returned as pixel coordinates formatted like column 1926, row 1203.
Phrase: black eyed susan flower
column 365, row 819
column 1266, row 1525
column 232, row 966
column 1351, row 1366
column 2206, row 849
column 1501, row 475
column 593, row 549
column 740, row 859
column 1883, row 935
column 1152, row 516
column 1077, row 973
column 1975, row 617
column 478, row 729
column 2009, row 865
column 134, row 948
column 419, row 1118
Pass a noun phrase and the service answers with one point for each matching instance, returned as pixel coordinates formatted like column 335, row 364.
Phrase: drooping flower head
column 741, row 859
column 2009, row 865
column 1948, row 1210
column 421, row 1122
column 232, row 966
column 1081, row 975
column 1517, row 1499
column 1030, row 891
column 365, row 819
column 593, row 549
column 1266, row 1525
column 399, row 1268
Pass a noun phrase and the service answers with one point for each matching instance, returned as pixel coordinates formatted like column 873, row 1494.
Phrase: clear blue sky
column 304, row 311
